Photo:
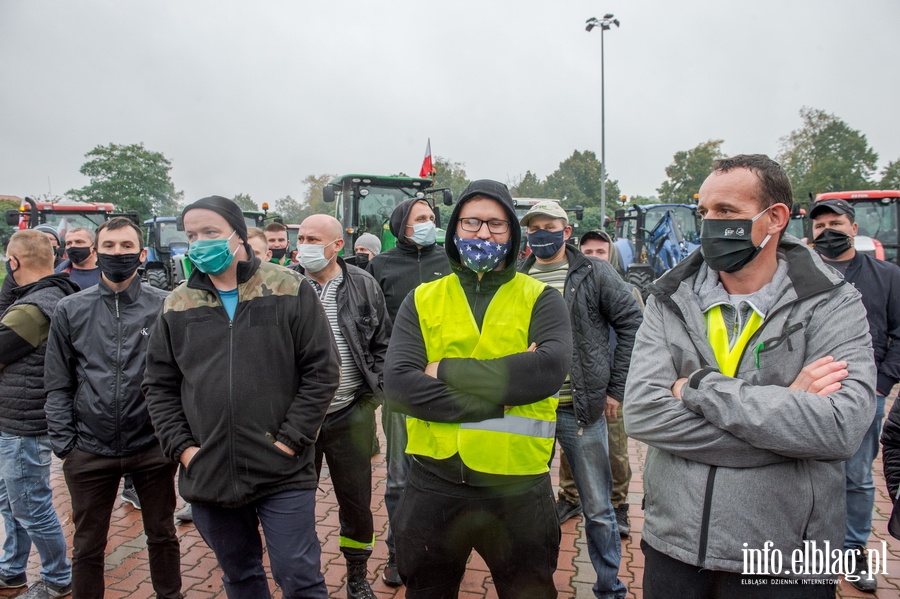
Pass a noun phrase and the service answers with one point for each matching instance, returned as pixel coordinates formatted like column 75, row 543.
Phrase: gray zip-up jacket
column 745, row 460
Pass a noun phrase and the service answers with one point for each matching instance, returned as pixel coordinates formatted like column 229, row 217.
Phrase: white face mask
column 312, row 256
column 424, row 234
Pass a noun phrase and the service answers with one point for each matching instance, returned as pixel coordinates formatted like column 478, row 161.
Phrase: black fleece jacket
column 234, row 386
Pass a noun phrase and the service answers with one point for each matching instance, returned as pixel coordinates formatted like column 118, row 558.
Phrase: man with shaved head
column 355, row 307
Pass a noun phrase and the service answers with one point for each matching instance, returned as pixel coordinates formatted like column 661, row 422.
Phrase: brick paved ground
column 127, row 574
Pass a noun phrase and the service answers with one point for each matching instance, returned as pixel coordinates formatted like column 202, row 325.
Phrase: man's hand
column 285, row 448
column 821, row 377
column 676, row 388
column 611, row 409
column 187, row 455
column 432, row 369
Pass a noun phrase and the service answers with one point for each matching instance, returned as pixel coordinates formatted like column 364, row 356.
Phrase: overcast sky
column 251, row 97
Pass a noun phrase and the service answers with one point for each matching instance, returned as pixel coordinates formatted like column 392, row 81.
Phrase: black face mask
column 278, row 254
column 78, row 254
column 10, row 271
column 118, row 268
column 832, row 243
column 727, row 244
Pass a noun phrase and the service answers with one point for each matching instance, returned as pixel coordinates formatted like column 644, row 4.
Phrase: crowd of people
column 756, row 373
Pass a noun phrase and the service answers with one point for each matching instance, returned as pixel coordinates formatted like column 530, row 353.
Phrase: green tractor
column 364, row 203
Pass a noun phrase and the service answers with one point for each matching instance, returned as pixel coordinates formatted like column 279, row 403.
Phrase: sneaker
column 391, row 575
column 47, row 590
column 185, row 514
column 623, row 521
column 566, row 509
column 864, row 581
column 13, row 582
column 130, row 495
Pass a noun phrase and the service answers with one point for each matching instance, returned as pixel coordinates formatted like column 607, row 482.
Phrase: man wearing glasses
column 475, row 361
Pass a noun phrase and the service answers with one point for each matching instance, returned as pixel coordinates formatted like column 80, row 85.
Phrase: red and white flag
column 427, row 169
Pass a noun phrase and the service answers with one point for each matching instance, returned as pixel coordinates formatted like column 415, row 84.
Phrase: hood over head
column 496, row 191
column 400, row 215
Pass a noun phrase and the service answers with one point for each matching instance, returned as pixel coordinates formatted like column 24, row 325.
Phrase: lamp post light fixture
column 604, row 24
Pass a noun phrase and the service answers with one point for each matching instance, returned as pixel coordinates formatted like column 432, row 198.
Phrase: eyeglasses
column 495, row 225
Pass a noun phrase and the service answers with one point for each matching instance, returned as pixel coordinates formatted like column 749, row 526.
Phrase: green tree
column 890, row 176
column 826, row 154
column 450, row 174
column 577, row 181
column 312, row 199
column 131, row 177
column 528, row 187
column 291, row 210
column 244, row 201
column 688, row 170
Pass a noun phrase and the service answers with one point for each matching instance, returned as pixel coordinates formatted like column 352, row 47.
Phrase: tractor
column 653, row 238
column 364, row 203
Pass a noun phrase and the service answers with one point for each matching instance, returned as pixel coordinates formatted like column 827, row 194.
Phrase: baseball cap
column 835, row 205
column 545, row 208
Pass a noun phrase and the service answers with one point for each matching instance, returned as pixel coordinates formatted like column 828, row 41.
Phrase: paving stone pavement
column 127, row 572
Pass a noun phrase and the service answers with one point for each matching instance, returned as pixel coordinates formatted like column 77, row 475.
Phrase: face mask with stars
column 480, row 255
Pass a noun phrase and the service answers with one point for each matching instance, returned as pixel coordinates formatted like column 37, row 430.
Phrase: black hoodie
column 467, row 389
column 401, row 269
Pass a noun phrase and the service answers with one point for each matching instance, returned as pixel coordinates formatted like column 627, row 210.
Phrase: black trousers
column 345, row 441
column 93, row 482
column 666, row 577
column 514, row 528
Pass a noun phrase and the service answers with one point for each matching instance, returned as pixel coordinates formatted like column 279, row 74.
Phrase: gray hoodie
column 746, row 460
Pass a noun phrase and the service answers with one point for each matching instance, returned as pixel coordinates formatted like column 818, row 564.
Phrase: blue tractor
column 164, row 243
column 653, row 238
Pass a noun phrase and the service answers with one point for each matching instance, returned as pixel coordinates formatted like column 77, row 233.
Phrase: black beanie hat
column 226, row 208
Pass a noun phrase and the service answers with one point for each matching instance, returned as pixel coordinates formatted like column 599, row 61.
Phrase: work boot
column 865, row 581
column 357, row 585
column 391, row 574
column 623, row 521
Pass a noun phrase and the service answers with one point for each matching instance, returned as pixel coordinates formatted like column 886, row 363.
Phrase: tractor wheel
column 640, row 278
column 157, row 277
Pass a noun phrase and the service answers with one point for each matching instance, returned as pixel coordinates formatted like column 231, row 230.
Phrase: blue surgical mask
column 312, row 256
column 212, row 256
column 544, row 244
column 424, row 234
column 480, row 255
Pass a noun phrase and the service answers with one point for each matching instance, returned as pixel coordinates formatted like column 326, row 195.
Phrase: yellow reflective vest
column 727, row 355
column 521, row 441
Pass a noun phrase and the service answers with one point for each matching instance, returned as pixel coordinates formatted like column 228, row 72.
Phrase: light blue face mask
column 312, row 256
column 424, row 234
column 212, row 256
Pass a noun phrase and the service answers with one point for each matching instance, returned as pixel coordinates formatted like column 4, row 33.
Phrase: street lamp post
column 604, row 24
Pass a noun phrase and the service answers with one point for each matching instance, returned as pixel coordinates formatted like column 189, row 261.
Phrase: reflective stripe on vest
column 729, row 356
column 521, row 441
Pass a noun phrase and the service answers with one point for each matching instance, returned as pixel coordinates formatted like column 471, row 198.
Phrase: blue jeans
column 394, row 425
column 289, row 522
column 588, row 454
column 860, row 486
column 26, row 502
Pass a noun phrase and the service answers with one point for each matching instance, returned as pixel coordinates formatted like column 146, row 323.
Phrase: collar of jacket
column 60, row 280
column 345, row 268
column 806, row 272
column 245, row 270
column 410, row 248
column 127, row 296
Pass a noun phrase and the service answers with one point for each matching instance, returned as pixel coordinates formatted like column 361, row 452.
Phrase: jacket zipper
column 707, row 510
column 231, row 448
column 118, row 410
